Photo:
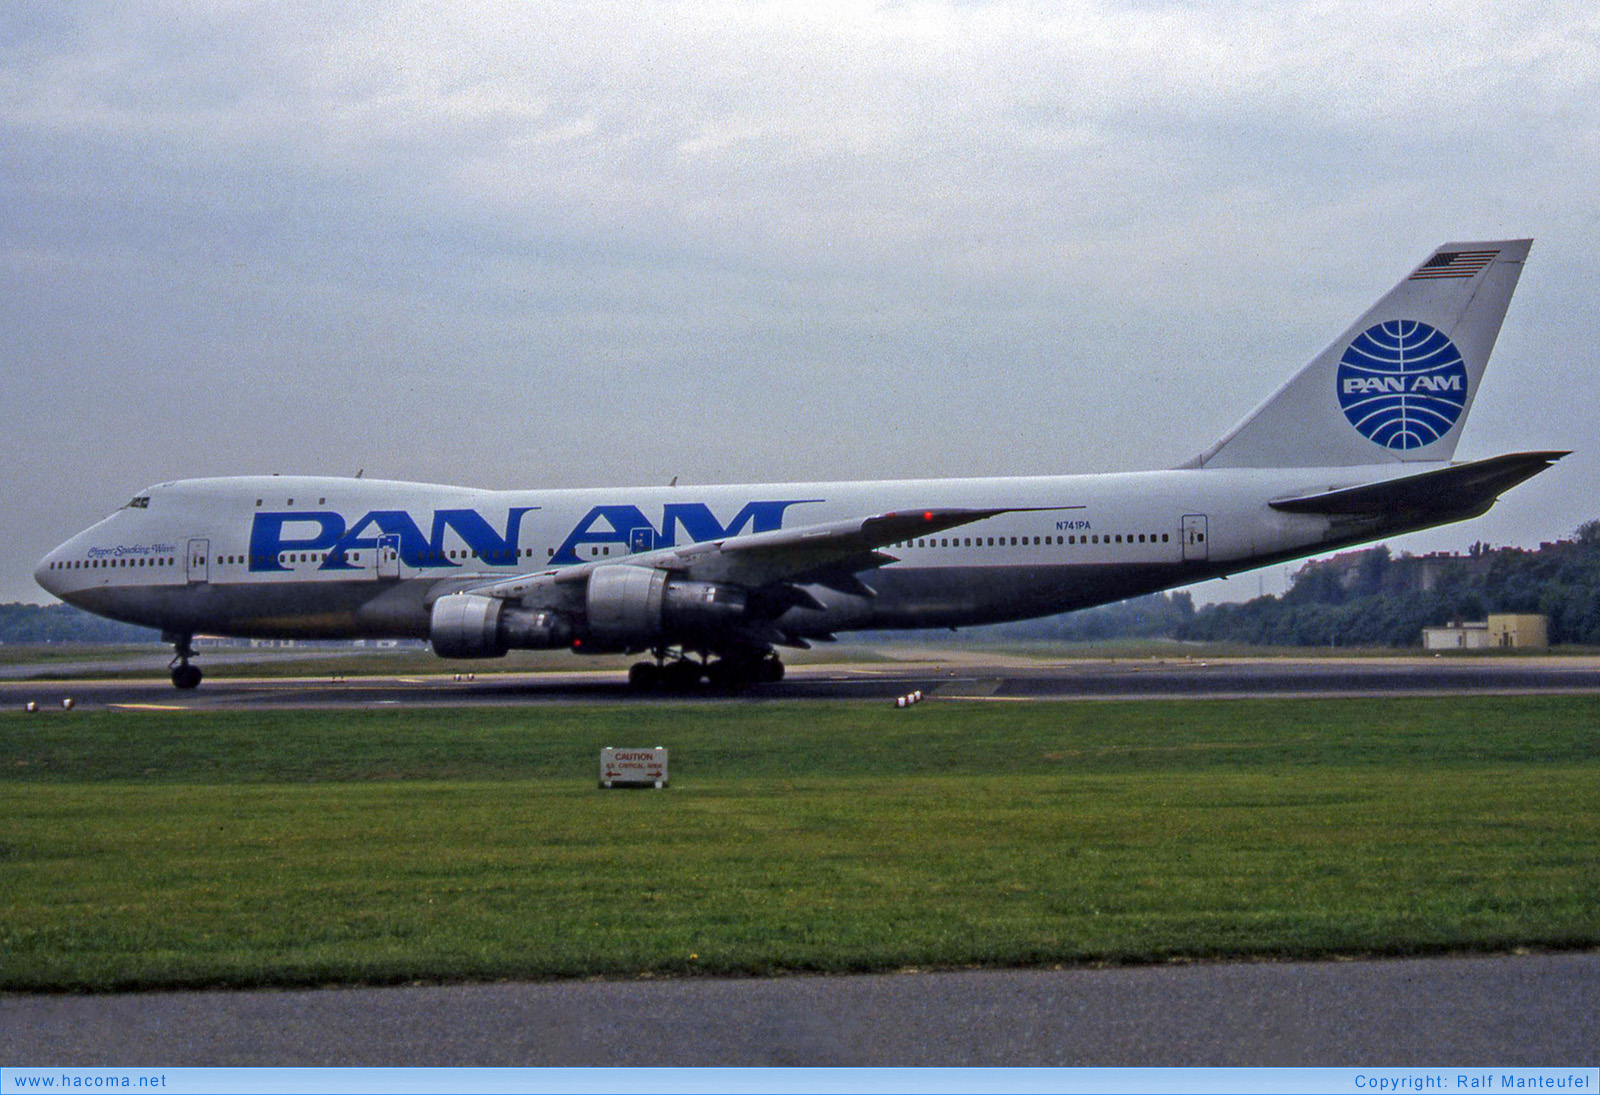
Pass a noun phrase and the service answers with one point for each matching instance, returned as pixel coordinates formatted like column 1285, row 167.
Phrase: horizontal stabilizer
column 1459, row 488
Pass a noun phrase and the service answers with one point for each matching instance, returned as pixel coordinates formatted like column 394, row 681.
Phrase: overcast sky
column 567, row 244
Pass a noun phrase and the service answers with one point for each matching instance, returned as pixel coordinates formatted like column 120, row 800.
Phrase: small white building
column 1456, row 637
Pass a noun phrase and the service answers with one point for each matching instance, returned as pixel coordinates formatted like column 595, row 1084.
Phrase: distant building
column 1456, row 636
column 1503, row 631
column 1519, row 632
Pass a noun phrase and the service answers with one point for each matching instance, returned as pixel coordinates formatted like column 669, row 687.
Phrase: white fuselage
column 322, row 557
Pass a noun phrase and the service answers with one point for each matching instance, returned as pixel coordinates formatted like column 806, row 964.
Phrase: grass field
column 277, row 848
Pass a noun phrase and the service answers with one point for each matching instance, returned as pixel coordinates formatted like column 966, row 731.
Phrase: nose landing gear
column 184, row 675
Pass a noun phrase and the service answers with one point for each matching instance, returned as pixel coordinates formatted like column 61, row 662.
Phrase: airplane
column 709, row 582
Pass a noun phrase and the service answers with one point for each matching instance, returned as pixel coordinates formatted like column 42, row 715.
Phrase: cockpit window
column 141, row 502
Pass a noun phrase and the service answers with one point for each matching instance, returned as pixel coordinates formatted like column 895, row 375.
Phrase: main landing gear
column 678, row 672
column 184, row 675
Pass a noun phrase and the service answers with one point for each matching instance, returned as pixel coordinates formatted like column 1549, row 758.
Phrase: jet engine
column 468, row 625
column 624, row 608
column 631, row 608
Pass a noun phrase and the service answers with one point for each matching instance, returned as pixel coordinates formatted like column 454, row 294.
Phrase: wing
column 774, row 567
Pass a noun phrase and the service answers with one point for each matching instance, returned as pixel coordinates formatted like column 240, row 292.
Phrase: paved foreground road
column 1499, row 1011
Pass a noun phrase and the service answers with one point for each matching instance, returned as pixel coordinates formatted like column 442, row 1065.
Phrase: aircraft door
column 640, row 539
column 199, row 563
column 1194, row 538
column 389, row 556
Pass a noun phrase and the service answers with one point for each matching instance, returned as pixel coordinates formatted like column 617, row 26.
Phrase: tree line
column 1365, row 598
column 59, row 623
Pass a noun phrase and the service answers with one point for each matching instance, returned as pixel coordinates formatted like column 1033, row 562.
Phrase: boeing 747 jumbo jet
column 709, row 581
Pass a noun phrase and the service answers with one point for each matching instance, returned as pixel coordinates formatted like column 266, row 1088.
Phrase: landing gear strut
column 184, row 675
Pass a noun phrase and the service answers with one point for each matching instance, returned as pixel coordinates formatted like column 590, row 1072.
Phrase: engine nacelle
column 467, row 625
column 633, row 607
column 624, row 608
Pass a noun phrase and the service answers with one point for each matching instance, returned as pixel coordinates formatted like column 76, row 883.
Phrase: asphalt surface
column 1534, row 1010
column 963, row 675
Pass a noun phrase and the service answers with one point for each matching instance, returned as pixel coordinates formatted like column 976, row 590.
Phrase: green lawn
column 146, row 849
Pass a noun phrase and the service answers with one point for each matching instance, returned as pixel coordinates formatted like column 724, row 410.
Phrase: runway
column 968, row 675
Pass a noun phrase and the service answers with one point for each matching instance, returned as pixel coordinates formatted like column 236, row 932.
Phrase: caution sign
column 633, row 767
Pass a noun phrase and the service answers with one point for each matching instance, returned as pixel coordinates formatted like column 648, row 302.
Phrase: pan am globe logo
column 1402, row 384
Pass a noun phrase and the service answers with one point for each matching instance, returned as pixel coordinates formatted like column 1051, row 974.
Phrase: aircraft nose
column 46, row 573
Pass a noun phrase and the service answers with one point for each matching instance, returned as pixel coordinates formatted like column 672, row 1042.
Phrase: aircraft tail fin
column 1397, row 385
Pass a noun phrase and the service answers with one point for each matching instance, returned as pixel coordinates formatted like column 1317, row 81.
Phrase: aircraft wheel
column 643, row 676
column 186, row 676
column 684, row 675
column 770, row 671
